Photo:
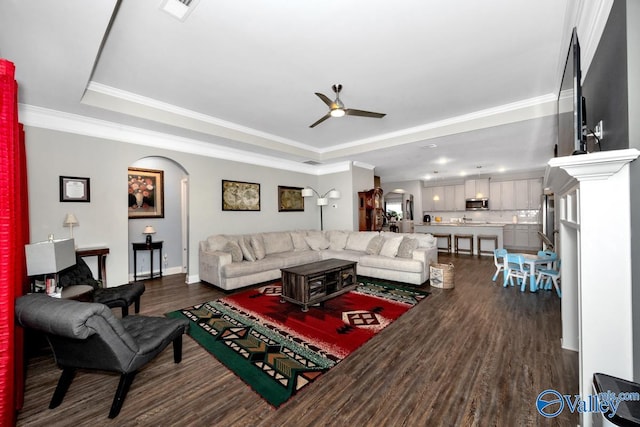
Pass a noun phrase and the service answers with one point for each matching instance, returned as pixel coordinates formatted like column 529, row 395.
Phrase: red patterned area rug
column 278, row 349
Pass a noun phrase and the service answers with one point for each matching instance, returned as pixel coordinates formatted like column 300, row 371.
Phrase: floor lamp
column 322, row 200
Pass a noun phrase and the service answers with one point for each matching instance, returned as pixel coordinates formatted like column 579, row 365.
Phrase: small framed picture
column 290, row 199
column 74, row 189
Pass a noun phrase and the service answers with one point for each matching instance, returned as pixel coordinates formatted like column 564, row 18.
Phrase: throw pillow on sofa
column 374, row 246
column 317, row 243
column 358, row 240
column 337, row 239
column 299, row 244
column 407, row 245
column 258, row 247
column 390, row 246
column 234, row 249
column 247, row 250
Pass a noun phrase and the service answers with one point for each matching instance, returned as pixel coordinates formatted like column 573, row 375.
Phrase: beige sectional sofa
column 235, row 261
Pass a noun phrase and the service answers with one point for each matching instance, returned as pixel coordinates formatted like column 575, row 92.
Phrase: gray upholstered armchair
column 88, row 336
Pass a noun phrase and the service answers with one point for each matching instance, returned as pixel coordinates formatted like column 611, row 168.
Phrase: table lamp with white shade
column 149, row 230
column 69, row 221
column 50, row 257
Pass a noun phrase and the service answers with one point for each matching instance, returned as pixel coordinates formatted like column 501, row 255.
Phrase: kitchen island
column 474, row 228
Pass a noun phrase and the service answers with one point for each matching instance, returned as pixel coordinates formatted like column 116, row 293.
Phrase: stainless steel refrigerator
column 548, row 213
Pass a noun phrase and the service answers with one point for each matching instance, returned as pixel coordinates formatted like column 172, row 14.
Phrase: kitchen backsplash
column 528, row 216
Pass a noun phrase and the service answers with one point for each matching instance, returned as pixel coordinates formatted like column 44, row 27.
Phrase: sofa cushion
column 277, row 242
column 217, row 242
column 258, row 246
column 290, row 259
column 238, row 269
column 247, row 250
column 406, row 248
column 387, row 263
column 344, row 254
column 390, row 246
column 358, row 240
column 299, row 244
column 317, row 242
column 374, row 246
column 337, row 239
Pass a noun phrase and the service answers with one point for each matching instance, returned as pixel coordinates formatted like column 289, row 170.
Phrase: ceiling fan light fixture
column 337, row 112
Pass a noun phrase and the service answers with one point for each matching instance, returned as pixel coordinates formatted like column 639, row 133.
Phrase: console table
column 316, row 282
column 101, row 253
column 147, row 247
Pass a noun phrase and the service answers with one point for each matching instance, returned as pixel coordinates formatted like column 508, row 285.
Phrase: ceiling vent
column 312, row 162
column 179, row 9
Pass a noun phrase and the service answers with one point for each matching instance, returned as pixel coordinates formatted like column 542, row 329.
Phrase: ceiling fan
column 336, row 108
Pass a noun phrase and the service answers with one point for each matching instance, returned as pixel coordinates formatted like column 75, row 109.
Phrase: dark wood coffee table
column 316, row 282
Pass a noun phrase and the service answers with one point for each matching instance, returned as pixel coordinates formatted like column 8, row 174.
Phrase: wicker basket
column 441, row 275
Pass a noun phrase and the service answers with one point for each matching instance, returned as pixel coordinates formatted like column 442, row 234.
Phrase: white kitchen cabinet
column 535, row 193
column 508, row 195
column 495, row 202
column 521, row 189
column 460, row 198
column 427, row 199
column 522, row 236
column 438, row 198
column 476, row 188
column 535, row 243
column 450, row 198
column 509, row 234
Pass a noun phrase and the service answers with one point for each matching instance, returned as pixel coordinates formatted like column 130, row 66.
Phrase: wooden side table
column 146, row 247
column 101, row 253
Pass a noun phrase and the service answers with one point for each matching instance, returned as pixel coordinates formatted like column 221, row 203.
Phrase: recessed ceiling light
column 463, row 173
column 442, row 160
column 430, row 146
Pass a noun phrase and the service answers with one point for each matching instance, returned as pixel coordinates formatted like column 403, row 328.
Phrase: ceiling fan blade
column 361, row 113
column 325, row 99
column 322, row 119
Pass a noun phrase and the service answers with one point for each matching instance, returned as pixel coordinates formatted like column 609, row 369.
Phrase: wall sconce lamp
column 323, row 200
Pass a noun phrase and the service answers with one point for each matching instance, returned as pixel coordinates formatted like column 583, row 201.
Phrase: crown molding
column 72, row 123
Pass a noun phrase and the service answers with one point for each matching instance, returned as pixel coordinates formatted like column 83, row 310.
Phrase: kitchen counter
column 473, row 228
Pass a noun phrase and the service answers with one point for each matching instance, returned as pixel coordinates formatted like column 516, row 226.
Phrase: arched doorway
column 171, row 227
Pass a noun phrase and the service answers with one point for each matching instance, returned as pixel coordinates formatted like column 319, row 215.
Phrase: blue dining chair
column 517, row 268
column 552, row 256
column 550, row 275
column 498, row 260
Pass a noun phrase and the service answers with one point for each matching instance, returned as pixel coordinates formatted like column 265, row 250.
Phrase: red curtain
column 14, row 234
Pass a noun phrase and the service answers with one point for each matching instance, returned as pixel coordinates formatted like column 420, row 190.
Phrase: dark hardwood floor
column 476, row 355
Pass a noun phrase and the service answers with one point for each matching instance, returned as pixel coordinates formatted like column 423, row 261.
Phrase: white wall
column 104, row 221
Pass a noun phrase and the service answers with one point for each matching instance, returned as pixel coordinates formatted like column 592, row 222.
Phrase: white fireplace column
column 595, row 231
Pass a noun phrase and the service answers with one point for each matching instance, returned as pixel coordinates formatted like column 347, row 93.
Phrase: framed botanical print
column 146, row 193
column 290, row 199
column 240, row 196
column 74, row 189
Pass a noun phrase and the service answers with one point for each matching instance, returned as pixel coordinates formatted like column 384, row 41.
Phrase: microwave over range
column 477, row 204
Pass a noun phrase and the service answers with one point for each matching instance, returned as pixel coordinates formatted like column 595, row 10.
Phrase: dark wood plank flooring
column 476, row 355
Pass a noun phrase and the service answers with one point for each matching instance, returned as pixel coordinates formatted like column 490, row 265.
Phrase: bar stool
column 456, row 237
column 444, row 236
column 490, row 237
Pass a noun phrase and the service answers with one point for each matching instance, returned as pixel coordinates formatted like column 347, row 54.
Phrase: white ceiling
column 477, row 78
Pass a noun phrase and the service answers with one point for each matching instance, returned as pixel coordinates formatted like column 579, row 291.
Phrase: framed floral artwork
column 75, row 189
column 290, row 199
column 146, row 193
column 240, row 196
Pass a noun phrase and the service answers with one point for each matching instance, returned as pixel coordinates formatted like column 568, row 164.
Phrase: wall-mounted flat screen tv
column 571, row 108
